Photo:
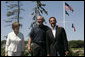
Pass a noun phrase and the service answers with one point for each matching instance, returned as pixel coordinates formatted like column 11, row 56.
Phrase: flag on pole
column 73, row 27
column 67, row 7
column 66, row 12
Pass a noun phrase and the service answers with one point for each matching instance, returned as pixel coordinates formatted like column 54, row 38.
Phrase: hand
column 48, row 54
column 66, row 53
column 22, row 54
column 29, row 48
column 6, row 54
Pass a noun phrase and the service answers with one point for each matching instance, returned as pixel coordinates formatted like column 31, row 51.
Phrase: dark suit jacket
column 59, row 43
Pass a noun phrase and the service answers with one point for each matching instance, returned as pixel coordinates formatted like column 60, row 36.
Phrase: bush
column 76, row 44
column 2, row 52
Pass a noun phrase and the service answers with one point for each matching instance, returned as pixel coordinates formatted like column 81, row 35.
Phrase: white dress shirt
column 14, row 43
column 54, row 31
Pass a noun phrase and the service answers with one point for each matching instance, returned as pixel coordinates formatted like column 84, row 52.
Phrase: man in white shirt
column 15, row 42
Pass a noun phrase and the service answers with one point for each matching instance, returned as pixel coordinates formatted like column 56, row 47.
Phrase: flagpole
column 64, row 14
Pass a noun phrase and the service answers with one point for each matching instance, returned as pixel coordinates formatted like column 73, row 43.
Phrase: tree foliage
column 38, row 11
column 76, row 44
column 13, row 11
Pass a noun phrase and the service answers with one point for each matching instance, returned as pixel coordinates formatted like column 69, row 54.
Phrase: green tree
column 13, row 11
column 3, row 42
column 38, row 11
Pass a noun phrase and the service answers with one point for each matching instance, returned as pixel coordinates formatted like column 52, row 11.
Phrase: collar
column 40, row 26
column 15, row 34
column 54, row 28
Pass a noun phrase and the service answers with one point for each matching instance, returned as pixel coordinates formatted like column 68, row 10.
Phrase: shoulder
column 46, row 27
column 61, row 29
column 48, row 30
column 11, row 33
column 34, row 27
column 21, row 33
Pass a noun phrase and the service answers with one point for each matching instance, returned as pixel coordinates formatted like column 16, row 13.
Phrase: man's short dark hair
column 52, row 17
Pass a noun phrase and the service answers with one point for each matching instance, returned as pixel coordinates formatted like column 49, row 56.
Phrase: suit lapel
column 56, row 32
column 51, row 34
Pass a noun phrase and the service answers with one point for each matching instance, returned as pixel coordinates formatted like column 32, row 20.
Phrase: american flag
column 66, row 12
column 67, row 7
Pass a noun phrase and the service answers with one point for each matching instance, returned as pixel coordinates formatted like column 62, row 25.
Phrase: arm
column 23, row 44
column 29, row 44
column 30, row 39
column 7, row 45
column 47, row 44
column 65, row 41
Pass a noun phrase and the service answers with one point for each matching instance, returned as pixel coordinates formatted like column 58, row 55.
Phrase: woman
column 14, row 42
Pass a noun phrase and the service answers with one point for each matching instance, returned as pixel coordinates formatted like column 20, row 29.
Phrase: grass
column 78, row 51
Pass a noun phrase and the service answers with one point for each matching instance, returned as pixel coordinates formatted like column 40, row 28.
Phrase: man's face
column 53, row 22
column 40, row 20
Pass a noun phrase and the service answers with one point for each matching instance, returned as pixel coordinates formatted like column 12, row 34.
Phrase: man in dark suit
column 56, row 40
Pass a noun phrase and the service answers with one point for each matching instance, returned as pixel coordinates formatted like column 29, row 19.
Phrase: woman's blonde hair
column 15, row 24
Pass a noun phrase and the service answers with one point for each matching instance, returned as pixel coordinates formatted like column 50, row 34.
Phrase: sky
column 54, row 9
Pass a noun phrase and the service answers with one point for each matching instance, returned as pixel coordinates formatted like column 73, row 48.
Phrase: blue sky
column 55, row 9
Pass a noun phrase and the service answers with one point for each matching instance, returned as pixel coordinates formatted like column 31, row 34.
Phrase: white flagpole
column 64, row 14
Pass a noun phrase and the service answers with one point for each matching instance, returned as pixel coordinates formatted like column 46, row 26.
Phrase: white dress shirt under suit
column 14, row 44
column 54, row 31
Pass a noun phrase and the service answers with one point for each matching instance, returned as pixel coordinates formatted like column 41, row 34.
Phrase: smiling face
column 40, row 20
column 52, row 22
column 15, row 27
